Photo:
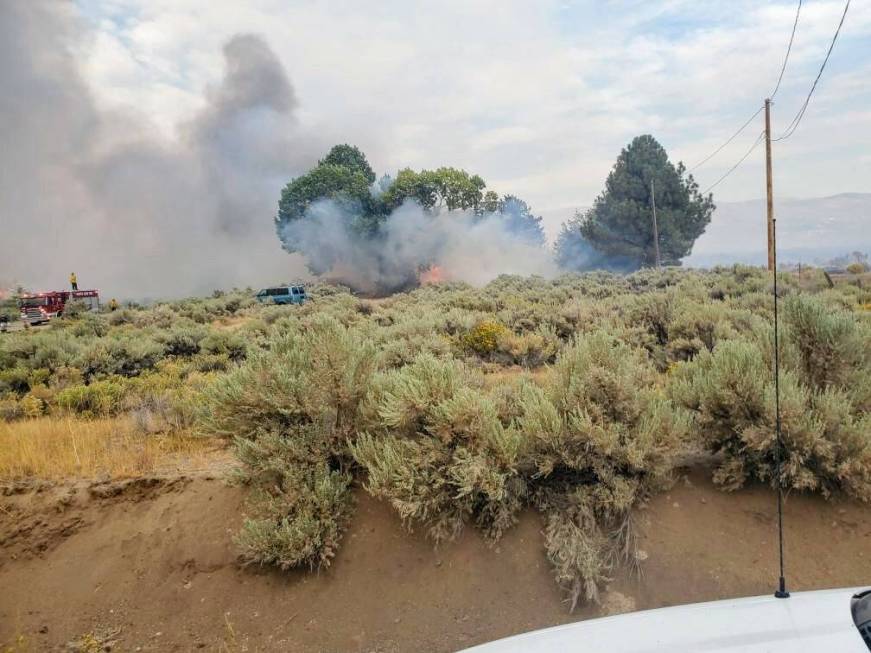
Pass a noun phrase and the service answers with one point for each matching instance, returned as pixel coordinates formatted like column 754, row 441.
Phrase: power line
column 750, row 119
column 731, row 138
column 788, row 50
column 732, row 169
column 798, row 116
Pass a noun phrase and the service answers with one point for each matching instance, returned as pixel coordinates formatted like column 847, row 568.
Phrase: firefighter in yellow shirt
column 113, row 304
column 73, row 281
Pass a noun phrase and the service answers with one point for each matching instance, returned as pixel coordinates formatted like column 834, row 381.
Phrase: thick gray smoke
column 101, row 194
column 414, row 244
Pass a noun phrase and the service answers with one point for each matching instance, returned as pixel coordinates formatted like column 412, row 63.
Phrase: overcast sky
column 537, row 97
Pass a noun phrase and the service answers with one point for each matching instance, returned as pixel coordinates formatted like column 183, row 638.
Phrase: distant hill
column 808, row 230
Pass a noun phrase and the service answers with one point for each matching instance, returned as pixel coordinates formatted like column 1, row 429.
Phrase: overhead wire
column 790, row 130
column 740, row 161
column 759, row 110
column 788, row 50
column 729, row 140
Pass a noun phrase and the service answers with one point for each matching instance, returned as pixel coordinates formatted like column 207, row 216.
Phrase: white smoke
column 464, row 245
column 131, row 213
column 137, row 216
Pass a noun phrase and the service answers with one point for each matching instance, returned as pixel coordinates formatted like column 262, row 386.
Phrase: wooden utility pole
column 655, row 228
column 768, row 185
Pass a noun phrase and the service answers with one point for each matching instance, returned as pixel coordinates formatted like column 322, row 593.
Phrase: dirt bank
column 149, row 565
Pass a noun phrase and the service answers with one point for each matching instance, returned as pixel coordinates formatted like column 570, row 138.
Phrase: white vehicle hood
column 819, row 622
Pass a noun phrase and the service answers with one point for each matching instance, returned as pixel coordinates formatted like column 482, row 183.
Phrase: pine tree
column 621, row 220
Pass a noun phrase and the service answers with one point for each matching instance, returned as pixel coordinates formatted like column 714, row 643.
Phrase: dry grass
column 500, row 375
column 231, row 323
column 53, row 447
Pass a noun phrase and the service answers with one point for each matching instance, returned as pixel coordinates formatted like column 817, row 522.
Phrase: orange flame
column 433, row 274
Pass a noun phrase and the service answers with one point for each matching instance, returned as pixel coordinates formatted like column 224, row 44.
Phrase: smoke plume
column 137, row 215
column 134, row 214
column 464, row 246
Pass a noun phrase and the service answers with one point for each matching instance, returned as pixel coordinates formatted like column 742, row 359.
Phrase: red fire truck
column 40, row 307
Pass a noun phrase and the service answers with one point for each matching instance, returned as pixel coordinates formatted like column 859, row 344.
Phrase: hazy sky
column 537, row 97
column 143, row 143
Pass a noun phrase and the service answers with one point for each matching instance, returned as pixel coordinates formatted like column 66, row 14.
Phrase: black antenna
column 781, row 592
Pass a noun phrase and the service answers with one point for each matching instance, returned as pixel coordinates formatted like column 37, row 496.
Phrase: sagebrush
column 574, row 397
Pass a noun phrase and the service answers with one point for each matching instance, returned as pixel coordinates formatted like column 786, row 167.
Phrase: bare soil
column 149, row 565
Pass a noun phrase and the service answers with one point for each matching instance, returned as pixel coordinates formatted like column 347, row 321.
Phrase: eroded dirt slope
column 149, row 565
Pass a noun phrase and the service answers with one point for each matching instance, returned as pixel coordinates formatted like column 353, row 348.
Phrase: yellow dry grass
column 231, row 323
column 503, row 375
column 64, row 447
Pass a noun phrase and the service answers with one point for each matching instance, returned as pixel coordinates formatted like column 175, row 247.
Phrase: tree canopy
column 350, row 157
column 620, row 224
column 519, row 219
column 345, row 176
column 574, row 253
column 448, row 188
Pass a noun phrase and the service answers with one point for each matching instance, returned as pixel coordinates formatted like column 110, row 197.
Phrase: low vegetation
column 461, row 407
column 825, row 399
column 64, row 447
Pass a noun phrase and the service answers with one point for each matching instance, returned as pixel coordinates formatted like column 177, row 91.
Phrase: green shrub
column 301, row 502
column 857, row 268
column 530, row 349
column 401, row 399
column 63, row 377
column 320, row 375
column 119, row 355
column 74, row 309
column 391, row 391
column 52, row 349
column 833, row 347
column 396, row 352
column 441, row 454
column 653, row 313
column 602, row 438
column 697, row 326
column 15, row 379
column 164, row 401
column 181, row 341
column 124, row 316
column 731, row 393
column 444, row 452
column 98, row 398
column 229, row 344
column 89, row 325
column 211, row 363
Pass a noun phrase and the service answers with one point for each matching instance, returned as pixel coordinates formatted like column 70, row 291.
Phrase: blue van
column 282, row 295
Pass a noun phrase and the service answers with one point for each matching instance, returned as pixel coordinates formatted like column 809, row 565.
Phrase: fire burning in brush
column 431, row 275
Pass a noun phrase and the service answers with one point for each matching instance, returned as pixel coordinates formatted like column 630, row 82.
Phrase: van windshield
column 272, row 292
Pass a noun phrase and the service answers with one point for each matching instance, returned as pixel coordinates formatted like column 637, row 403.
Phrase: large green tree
column 344, row 175
column 350, row 157
column 620, row 224
column 574, row 253
column 517, row 216
column 353, row 228
column 449, row 188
